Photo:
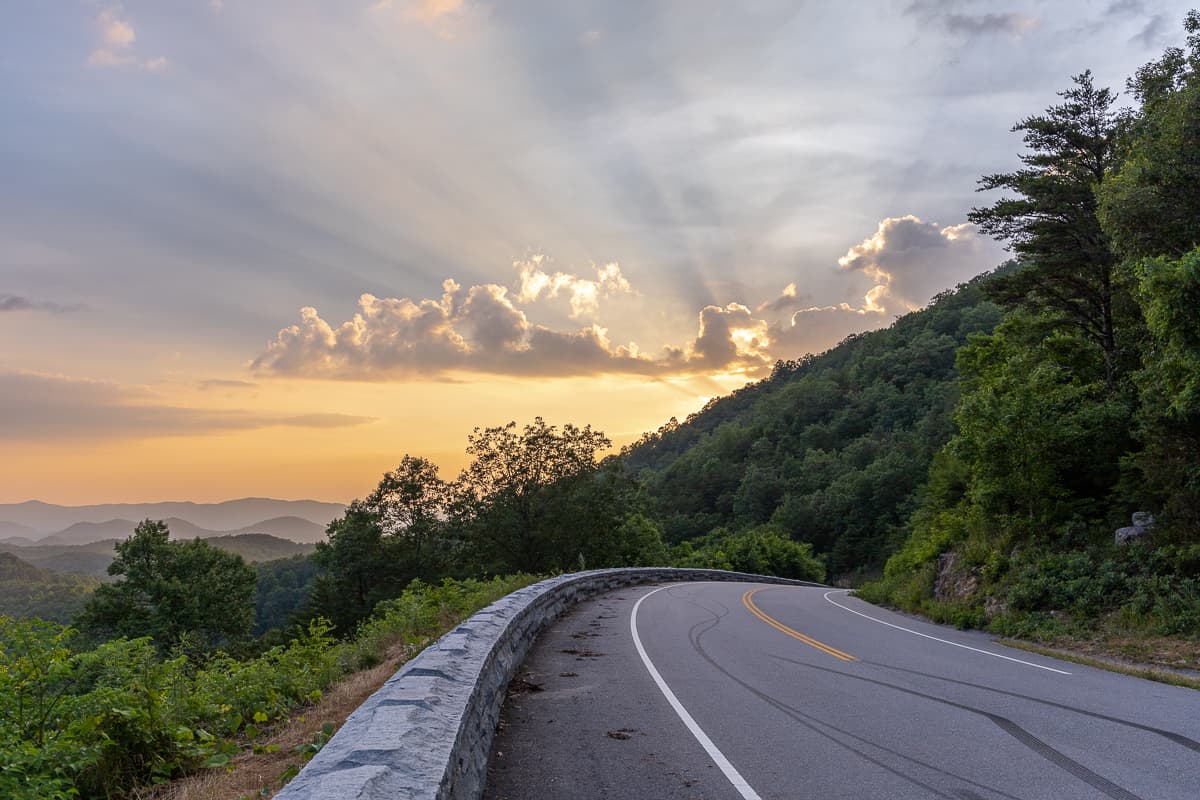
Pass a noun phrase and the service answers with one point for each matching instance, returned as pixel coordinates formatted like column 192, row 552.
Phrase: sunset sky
column 267, row 247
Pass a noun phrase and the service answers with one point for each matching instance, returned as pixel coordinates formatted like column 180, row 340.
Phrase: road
column 741, row 691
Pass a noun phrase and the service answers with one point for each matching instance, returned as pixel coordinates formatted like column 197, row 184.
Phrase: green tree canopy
column 186, row 593
column 537, row 500
column 1051, row 222
column 1150, row 204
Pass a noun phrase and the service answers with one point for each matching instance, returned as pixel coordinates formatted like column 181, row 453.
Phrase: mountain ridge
column 35, row 519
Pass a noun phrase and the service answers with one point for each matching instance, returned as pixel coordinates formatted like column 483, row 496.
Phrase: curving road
column 747, row 691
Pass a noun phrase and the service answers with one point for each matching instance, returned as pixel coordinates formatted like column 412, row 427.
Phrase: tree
column 411, row 503
column 356, row 570
column 1052, row 223
column 187, row 593
column 536, row 500
column 1150, row 205
column 380, row 544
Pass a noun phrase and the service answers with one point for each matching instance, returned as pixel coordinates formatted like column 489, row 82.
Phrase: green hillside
column 27, row 591
column 830, row 449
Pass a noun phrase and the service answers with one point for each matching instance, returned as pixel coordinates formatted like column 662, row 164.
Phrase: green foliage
column 765, row 550
column 1142, row 587
column 1149, row 204
column 173, row 592
column 282, row 588
column 1169, row 389
column 1059, row 440
column 98, row 723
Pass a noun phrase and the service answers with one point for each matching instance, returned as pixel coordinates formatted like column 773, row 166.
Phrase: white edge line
column 943, row 641
column 735, row 777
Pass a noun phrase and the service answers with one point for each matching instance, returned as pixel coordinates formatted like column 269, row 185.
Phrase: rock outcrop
column 1143, row 526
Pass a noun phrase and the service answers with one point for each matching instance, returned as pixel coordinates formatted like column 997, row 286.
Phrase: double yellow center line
column 748, row 602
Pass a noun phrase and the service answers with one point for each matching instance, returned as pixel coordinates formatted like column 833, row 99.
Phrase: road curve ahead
column 743, row 691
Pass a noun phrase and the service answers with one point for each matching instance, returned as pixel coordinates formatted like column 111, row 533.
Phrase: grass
column 1109, row 663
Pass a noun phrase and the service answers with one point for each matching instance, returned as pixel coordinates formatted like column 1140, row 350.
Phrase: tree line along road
column 750, row 691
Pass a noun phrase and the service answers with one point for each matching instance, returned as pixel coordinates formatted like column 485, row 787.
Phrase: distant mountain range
column 46, row 523
column 93, row 558
column 291, row 528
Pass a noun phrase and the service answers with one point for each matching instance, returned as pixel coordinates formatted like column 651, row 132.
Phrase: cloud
column 41, row 406
column 1121, row 8
column 908, row 261
column 12, row 302
column 788, row 300
column 115, row 48
column 484, row 329
column 584, row 295
column 945, row 13
column 1153, row 34
column 1011, row 24
column 481, row 329
column 728, row 336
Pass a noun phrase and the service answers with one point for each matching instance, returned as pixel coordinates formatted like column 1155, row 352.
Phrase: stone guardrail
column 427, row 732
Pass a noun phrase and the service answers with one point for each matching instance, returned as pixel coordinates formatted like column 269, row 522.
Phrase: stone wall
column 428, row 731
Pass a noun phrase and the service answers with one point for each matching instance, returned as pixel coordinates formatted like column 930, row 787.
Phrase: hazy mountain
column 88, row 532
column 93, row 558
column 260, row 546
column 33, row 518
column 13, row 530
column 295, row 529
column 88, row 559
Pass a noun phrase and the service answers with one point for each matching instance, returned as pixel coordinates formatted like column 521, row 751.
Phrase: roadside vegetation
column 1083, row 406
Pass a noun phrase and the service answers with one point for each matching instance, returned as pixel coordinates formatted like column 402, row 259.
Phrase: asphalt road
column 742, row 691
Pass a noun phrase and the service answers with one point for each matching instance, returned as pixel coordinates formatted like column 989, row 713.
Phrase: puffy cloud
column 906, row 261
column 481, row 329
column 40, row 406
column 115, row 48
column 584, row 295
column 909, row 261
column 476, row 329
column 729, row 336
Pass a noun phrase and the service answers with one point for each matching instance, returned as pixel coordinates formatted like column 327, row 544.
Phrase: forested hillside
column 828, row 450
column 1083, row 406
column 27, row 591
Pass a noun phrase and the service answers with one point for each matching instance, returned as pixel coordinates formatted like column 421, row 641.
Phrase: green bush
column 765, row 550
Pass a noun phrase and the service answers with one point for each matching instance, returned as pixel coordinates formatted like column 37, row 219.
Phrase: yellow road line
column 748, row 602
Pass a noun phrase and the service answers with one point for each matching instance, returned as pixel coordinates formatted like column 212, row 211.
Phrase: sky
column 269, row 247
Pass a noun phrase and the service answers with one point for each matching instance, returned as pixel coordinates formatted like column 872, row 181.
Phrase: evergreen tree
column 1052, row 224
